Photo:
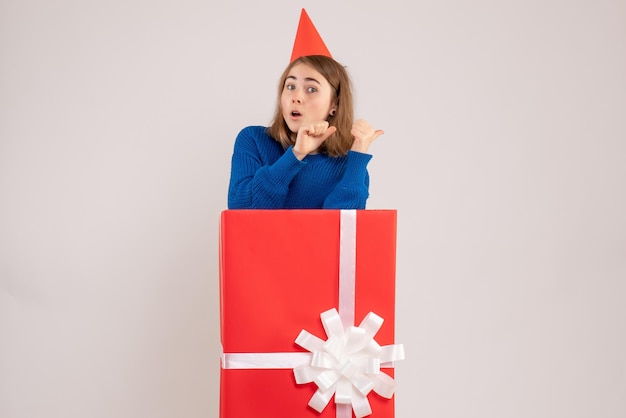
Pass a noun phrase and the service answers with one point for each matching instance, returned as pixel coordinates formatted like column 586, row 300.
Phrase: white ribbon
column 346, row 365
column 347, row 266
column 264, row 360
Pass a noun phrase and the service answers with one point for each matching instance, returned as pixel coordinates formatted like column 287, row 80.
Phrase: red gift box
column 279, row 270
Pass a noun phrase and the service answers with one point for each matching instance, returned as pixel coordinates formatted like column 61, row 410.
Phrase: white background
column 504, row 154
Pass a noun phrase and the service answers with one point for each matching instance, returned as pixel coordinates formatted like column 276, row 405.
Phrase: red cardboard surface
column 279, row 269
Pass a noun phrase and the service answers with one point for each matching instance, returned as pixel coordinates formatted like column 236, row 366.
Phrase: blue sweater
column 265, row 176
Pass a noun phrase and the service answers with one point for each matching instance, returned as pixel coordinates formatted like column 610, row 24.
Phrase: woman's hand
column 363, row 135
column 310, row 136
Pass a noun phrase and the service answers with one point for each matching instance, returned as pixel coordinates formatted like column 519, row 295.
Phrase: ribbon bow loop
column 347, row 364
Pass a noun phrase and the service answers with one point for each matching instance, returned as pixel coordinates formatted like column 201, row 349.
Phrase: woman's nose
column 296, row 98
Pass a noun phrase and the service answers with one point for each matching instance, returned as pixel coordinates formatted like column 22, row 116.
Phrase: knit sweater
column 266, row 176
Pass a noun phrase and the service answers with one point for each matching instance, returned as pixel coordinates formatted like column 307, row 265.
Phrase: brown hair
column 340, row 142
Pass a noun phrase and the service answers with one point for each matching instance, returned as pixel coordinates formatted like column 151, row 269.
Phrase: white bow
column 347, row 365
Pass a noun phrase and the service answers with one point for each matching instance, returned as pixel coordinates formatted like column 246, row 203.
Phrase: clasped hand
column 363, row 135
column 311, row 135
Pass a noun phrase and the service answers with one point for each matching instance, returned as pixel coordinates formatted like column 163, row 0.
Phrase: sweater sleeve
column 352, row 190
column 254, row 183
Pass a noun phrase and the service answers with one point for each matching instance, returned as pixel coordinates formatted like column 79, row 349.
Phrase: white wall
column 504, row 154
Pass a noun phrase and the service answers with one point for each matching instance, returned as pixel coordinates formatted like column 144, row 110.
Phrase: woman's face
column 306, row 97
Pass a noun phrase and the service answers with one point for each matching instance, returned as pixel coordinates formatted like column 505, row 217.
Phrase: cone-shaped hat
column 308, row 40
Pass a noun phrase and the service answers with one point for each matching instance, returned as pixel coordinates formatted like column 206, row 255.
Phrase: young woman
column 313, row 155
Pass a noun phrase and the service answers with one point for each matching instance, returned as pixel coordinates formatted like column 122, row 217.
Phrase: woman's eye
column 311, row 89
column 290, row 87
